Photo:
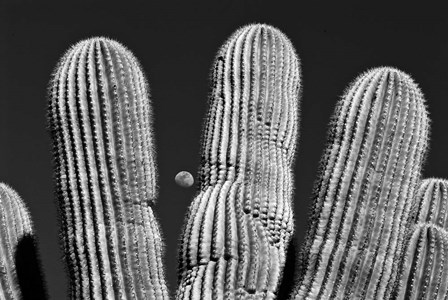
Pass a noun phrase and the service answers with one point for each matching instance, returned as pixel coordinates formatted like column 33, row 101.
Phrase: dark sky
column 176, row 45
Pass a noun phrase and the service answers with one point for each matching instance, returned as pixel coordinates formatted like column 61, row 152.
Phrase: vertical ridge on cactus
column 369, row 171
column 104, row 164
column 431, row 203
column 239, row 225
column 424, row 272
column 15, row 224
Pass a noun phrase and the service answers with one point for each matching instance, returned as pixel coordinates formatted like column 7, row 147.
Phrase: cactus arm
column 100, row 122
column 16, row 228
column 424, row 272
column 431, row 203
column 11, row 230
column 238, row 226
column 369, row 169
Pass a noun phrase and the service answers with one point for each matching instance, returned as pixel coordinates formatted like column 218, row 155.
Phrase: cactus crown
column 100, row 119
column 368, row 172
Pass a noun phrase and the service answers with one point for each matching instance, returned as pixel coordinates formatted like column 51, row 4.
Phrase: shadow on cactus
column 29, row 272
column 373, row 232
column 20, row 270
column 240, row 224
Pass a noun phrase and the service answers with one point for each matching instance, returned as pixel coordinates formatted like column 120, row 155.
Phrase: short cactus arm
column 239, row 225
column 100, row 122
column 369, row 170
column 424, row 268
column 424, row 272
column 17, row 273
column 430, row 204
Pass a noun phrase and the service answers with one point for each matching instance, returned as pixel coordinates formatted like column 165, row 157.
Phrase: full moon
column 184, row 179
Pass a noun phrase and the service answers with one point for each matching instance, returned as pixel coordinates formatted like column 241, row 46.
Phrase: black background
column 176, row 43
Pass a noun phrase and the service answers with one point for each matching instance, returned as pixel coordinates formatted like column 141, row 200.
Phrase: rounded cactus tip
column 433, row 183
column 435, row 180
column 6, row 188
column 260, row 27
column 97, row 39
column 403, row 77
column 395, row 71
column 83, row 46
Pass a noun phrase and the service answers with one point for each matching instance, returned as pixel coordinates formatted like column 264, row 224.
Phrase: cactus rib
column 369, row 170
column 100, row 122
column 240, row 223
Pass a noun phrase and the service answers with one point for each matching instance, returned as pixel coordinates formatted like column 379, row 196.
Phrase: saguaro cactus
column 424, row 270
column 368, row 175
column 239, row 225
column 100, row 121
column 431, row 203
column 15, row 229
column 424, row 273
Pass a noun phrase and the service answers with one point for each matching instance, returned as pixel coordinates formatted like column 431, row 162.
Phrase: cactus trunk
column 368, row 175
column 100, row 122
column 239, row 225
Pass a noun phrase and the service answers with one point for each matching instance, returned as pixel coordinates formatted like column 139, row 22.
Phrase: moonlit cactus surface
column 240, row 223
column 362, row 198
column 424, row 269
column 104, row 165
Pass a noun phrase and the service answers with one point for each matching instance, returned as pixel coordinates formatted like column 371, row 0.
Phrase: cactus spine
column 100, row 122
column 369, row 171
column 424, row 270
column 239, row 225
column 15, row 224
column 431, row 203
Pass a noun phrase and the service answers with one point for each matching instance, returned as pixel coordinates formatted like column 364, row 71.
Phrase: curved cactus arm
column 424, row 273
column 15, row 229
column 371, row 166
column 426, row 279
column 238, row 227
column 104, row 164
column 431, row 203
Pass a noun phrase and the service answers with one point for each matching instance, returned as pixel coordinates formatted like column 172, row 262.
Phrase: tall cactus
column 368, row 175
column 240, row 223
column 100, row 122
column 424, row 269
column 16, row 234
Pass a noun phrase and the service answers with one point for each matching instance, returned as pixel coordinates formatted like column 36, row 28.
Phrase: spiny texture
column 423, row 271
column 100, row 122
column 369, row 171
column 431, row 203
column 15, row 224
column 425, row 267
column 239, row 225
